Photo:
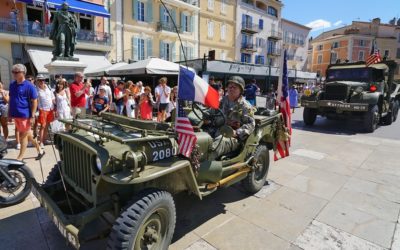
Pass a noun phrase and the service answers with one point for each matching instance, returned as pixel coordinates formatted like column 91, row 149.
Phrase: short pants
column 162, row 106
column 22, row 124
column 45, row 117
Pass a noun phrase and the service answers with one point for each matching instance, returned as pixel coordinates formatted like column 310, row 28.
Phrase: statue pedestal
column 62, row 67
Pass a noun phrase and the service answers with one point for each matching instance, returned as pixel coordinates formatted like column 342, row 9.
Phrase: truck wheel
column 256, row 179
column 309, row 116
column 148, row 223
column 54, row 175
column 371, row 119
column 395, row 111
column 388, row 119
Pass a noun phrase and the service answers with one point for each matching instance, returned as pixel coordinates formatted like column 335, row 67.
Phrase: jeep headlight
column 307, row 92
column 98, row 163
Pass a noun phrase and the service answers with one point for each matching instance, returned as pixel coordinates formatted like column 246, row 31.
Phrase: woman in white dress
column 63, row 108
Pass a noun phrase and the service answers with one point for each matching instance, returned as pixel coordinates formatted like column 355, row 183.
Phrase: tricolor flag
column 375, row 56
column 47, row 13
column 193, row 88
column 186, row 137
column 284, row 107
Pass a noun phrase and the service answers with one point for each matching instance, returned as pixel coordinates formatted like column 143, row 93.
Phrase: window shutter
column 149, row 48
column 149, row 5
column 135, row 10
column 173, row 54
column 162, row 51
column 191, row 24
column 243, row 19
column 183, row 22
column 242, row 57
column 173, row 14
column 261, row 24
column 161, row 13
column 134, row 48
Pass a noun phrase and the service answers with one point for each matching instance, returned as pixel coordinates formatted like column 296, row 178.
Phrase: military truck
column 116, row 175
column 355, row 91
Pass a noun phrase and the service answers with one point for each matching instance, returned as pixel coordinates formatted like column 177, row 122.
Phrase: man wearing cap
column 239, row 115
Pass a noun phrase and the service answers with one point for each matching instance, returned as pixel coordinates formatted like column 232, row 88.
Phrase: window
column 335, row 45
column 138, row 50
column 140, row 45
column 259, row 42
column 247, row 21
column 386, row 54
column 223, row 55
column 320, row 47
column 260, row 60
column 186, row 25
column 223, row 32
column 361, row 43
column 246, row 58
column 140, row 8
column 334, row 57
column 260, row 24
column 165, row 17
column 210, row 4
column 272, row 11
column 188, row 52
column 166, row 52
column 210, row 29
column 361, row 55
column 246, row 39
column 319, row 60
column 223, row 6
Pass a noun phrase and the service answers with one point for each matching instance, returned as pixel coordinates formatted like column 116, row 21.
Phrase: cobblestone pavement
column 335, row 191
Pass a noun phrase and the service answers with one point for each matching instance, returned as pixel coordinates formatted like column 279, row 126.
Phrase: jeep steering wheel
column 206, row 115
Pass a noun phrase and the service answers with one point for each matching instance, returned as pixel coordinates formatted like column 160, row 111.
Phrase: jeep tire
column 309, row 116
column 395, row 111
column 256, row 179
column 54, row 175
column 147, row 223
column 371, row 119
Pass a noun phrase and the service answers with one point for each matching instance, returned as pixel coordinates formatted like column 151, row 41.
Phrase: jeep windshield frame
column 355, row 74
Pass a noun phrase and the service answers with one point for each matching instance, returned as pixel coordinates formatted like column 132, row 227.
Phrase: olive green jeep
column 122, row 172
column 355, row 91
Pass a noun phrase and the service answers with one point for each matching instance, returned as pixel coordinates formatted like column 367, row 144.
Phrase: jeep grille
column 77, row 167
column 336, row 92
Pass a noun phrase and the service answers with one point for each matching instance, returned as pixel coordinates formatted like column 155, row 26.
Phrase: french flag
column 47, row 13
column 193, row 88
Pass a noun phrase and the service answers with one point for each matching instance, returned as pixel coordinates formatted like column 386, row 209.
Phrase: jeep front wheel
column 256, row 179
column 371, row 119
column 309, row 116
column 148, row 223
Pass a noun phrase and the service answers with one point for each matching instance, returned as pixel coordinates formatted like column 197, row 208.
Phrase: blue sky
column 322, row 15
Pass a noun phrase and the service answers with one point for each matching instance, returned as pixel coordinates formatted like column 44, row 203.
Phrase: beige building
column 217, row 28
column 144, row 28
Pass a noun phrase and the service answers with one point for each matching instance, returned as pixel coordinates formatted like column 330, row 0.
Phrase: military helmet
column 238, row 80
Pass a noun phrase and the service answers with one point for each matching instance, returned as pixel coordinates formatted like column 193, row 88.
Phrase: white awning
column 104, row 70
column 41, row 56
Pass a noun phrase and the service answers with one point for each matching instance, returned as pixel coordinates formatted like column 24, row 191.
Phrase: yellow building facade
column 145, row 28
column 217, row 28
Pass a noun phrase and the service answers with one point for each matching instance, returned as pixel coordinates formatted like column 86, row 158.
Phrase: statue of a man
column 63, row 33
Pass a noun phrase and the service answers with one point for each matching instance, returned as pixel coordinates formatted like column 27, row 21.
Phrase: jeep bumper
column 338, row 105
column 69, row 231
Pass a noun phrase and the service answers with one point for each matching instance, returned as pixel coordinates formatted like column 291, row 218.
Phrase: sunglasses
column 16, row 72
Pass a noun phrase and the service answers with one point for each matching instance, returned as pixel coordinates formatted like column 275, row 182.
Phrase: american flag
column 186, row 137
column 375, row 56
column 284, row 107
column 47, row 13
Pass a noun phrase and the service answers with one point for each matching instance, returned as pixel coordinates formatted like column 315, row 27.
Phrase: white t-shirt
column 160, row 91
column 46, row 98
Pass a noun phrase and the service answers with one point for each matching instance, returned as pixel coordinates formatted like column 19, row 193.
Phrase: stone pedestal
column 65, row 67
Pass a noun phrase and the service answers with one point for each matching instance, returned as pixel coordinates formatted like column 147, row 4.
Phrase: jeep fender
column 371, row 98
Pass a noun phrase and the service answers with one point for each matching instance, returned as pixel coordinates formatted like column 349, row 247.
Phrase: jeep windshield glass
column 357, row 75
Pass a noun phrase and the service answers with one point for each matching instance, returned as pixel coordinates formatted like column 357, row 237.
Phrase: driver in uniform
column 239, row 115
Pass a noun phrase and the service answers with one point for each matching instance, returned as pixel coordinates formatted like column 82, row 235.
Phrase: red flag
column 186, row 137
column 282, row 146
column 375, row 56
column 47, row 13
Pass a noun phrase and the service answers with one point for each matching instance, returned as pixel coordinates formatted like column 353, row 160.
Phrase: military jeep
column 116, row 176
column 355, row 91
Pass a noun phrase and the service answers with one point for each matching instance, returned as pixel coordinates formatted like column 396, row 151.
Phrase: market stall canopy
column 104, row 71
column 41, row 56
column 150, row 66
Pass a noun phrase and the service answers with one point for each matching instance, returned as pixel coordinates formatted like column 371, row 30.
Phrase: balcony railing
column 167, row 26
column 250, row 27
column 248, row 46
column 32, row 29
column 191, row 2
column 274, row 52
column 277, row 35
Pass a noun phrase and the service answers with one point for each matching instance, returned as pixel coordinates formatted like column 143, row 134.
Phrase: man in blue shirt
column 22, row 108
column 250, row 92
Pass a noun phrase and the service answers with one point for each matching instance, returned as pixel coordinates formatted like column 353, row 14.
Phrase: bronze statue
column 63, row 33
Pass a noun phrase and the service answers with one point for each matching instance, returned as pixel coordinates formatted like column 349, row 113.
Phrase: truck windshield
column 357, row 75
